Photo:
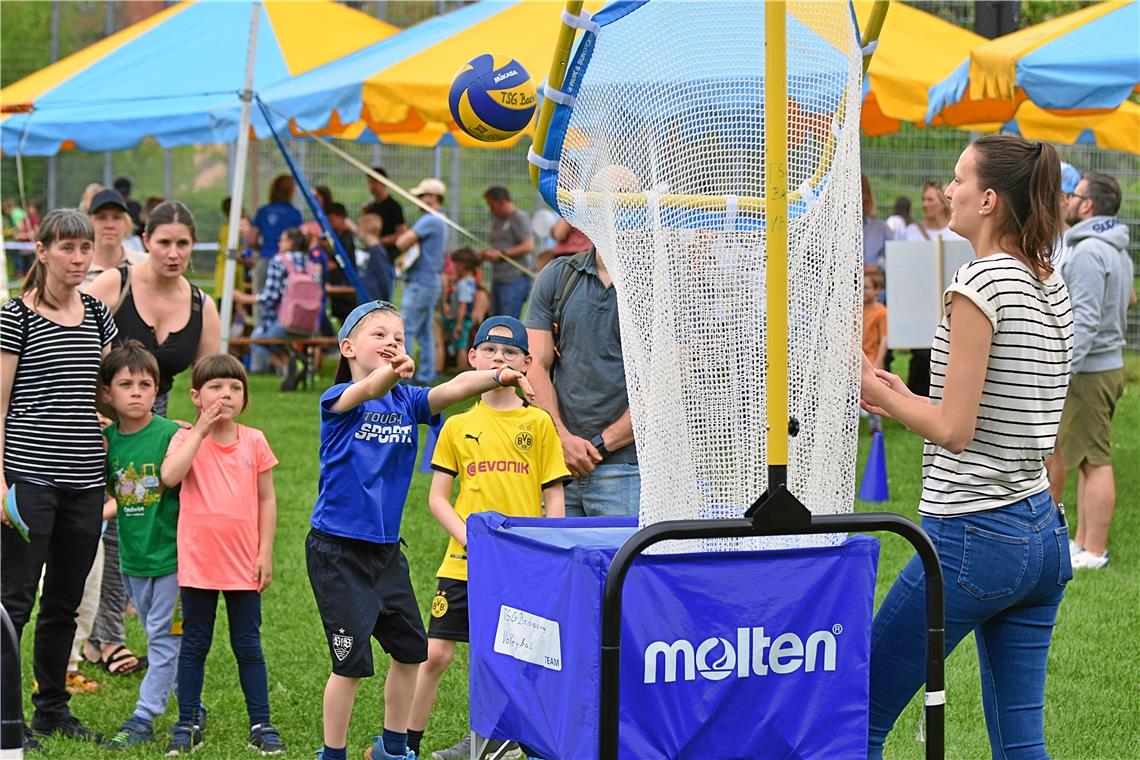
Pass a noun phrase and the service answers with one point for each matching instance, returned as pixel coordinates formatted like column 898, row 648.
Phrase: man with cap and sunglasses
column 422, row 283
column 111, row 219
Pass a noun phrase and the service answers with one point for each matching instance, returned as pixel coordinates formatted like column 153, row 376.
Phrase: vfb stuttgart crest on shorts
column 341, row 645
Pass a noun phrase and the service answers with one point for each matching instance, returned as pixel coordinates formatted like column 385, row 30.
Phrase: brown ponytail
column 61, row 224
column 1027, row 177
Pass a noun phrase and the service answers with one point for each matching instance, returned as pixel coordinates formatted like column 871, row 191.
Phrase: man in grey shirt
column 511, row 238
column 1098, row 271
column 583, row 387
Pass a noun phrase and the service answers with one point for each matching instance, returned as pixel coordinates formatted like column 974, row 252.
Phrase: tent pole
column 238, row 184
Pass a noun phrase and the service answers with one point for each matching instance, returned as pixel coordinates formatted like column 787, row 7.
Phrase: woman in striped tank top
column 999, row 372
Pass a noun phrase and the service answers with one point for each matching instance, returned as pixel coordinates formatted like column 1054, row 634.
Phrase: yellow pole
column 555, row 77
column 776, row 227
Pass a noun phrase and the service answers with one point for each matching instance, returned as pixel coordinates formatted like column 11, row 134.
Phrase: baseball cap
column 343, row 373
column 517, row 338
column 429, row 185
column 1070, row 177
column 105, row 198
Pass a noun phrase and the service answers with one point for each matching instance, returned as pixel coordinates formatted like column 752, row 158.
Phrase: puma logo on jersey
column 473, row 437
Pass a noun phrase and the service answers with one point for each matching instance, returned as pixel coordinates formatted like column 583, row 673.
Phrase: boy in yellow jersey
column 508, row 459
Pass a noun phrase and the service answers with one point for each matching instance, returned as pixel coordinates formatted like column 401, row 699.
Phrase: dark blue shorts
column 363, row 590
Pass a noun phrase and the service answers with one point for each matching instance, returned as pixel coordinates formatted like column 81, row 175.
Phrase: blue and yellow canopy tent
column 185, row 76
column 1082, row 63
column 907, row 70
column 398, row 88
column 176, row 76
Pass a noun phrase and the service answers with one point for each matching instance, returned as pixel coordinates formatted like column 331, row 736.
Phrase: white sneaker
column 1086, row 560
column 1074, row 548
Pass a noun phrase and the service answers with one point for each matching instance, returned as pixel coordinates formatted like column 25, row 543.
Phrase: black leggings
column 243, row 608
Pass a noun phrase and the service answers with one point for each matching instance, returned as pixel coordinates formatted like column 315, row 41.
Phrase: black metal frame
column 11, row 698
column 776, row 513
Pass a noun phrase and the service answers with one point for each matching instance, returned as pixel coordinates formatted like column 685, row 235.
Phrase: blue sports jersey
column 367, row 457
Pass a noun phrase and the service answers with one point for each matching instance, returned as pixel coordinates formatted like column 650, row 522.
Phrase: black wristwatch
column 600, row 445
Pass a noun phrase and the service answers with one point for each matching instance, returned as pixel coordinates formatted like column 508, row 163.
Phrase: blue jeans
column 199, row 608
column 259, row 355
column 507, row 297
column 380, row 275
column 418, row 309
column 611, row 490
column 1004, row 572
column 155, row 600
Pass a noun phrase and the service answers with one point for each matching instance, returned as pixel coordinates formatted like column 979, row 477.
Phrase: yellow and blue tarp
column 399, row 87
column 176, row 76
column 1083, row 62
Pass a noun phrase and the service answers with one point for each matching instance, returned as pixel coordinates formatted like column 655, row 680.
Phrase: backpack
column 302, row 300
column 567, row 281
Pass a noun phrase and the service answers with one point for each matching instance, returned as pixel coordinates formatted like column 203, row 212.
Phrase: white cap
column 429, row 185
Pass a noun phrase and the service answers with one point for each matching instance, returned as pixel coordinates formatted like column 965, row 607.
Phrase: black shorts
column 363, row 590
column 449, row 611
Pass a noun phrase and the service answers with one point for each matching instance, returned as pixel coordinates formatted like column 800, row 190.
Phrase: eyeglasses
column 1079, row 196
column 510, row 353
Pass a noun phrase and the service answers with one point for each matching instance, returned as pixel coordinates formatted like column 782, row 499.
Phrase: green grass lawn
column 1094, row 666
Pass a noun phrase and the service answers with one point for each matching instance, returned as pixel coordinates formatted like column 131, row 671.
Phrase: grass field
column 1094, row 675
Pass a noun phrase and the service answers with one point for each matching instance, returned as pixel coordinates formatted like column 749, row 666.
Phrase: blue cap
column 359, row 313
column 1069, row 178
column 517, row 338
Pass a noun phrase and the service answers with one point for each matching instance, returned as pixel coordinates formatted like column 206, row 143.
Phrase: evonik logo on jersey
column 754, row 653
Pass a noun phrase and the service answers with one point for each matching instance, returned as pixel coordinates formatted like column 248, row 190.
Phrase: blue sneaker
column 377, row 752
column 134, row 731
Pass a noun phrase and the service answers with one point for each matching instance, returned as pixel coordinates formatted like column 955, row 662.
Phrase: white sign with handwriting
column 529, row 638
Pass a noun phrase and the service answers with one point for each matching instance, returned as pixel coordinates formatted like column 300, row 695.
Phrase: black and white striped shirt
column 51, row 434
column 1027, row 375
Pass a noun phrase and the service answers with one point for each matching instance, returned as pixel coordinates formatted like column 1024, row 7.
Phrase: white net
column 662, row 164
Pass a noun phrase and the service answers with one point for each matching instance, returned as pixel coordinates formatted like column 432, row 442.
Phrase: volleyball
column 492, row 98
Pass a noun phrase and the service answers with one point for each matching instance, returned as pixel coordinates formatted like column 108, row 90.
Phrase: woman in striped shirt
column 52, row 340
column 999, row 372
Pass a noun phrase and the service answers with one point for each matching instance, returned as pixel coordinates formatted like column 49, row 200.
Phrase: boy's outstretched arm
column 376, row 384
column 266, row 529
column 554, row 500
column 471, row 383
column 439, row 501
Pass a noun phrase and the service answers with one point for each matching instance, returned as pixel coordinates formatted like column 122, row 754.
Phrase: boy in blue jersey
column 369, row 439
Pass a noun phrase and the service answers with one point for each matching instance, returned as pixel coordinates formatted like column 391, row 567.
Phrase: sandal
column 77, row 683
column 114, row 663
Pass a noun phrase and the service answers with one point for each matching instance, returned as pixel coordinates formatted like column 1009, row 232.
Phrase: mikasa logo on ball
column 755, row 653
column 506, row 75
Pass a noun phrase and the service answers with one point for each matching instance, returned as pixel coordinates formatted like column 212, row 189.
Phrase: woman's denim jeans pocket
column 993, row 564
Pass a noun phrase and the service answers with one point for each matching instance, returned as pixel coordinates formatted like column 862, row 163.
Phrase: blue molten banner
column 727, row 654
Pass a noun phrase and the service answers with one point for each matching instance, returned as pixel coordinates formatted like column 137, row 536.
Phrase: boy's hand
column 404, row 366
column 263, row 572
column 510, row 376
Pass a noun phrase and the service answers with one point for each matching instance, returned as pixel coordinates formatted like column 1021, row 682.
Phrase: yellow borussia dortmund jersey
column 503, row 459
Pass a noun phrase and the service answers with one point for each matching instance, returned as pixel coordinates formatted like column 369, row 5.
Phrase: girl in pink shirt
column 226, row 522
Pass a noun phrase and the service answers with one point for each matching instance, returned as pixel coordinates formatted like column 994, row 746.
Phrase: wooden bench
column 307, row 349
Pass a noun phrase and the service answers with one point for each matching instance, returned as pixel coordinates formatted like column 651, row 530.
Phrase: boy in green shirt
column 148, row 521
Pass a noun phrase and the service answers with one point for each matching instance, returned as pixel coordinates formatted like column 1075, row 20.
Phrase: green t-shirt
column 148, row 511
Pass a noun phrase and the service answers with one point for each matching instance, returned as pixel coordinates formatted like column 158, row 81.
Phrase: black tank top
column 177, row 352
